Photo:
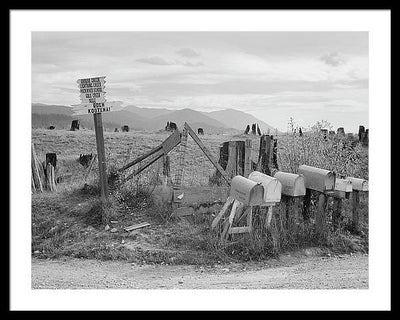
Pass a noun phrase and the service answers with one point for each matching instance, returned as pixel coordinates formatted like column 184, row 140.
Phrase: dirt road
column 289, row 272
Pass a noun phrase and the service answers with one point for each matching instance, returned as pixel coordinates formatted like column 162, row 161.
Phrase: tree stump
column 267, row 157
column 51, row 158
column 167, row 169
column 247, row 158
column 232, row 157
column 50, row 180
column 75, row 125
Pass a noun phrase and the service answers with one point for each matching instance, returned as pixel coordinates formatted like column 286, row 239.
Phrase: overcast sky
column 309, row 76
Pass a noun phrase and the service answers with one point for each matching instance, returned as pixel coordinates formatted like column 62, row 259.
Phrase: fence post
column 320, row 219
column 98, row 127
column 337, row 212
column 356, row 210
column 306, row 205
column 247, row 158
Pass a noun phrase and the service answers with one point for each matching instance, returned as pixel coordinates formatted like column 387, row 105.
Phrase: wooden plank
column 197, row 195
column 225, row 233
column 137, row 226
column 236, row 205
column 239, row 230
column 242, row 214
column 53, row 178
column 181, row 166
column 231, row 167
column 250, row 218
column 207, row 153
column 306, row 205
column 33, row 184
column 141, row 158
column 158, row 155
column 171, row 142
column 247, row 157
column 269, row 217
column 228, row 202
column 35, row 170
column 356, row 210
column 337, row 213
column 320, row 219
column 90, row 167
column 183, row 211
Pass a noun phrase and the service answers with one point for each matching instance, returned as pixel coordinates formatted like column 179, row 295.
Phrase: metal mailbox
column 342, row 188
column 358, row 184
column 272, row 186
column 246, row 191
column 292, row 184
column 318, row 179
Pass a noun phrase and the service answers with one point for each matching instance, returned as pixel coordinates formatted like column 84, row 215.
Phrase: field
column 72, row 221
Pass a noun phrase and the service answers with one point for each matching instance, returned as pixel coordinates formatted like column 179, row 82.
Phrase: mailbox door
column 292, row 184
column 343, row 185
column 246, row 191
column 272, row 186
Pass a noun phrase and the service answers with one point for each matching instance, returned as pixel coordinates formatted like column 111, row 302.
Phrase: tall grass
column 333, row 153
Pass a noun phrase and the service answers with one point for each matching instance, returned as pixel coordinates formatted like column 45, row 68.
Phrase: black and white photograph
column 200, row 160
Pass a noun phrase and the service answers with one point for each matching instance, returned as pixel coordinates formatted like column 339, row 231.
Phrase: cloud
column 155, row 60
column 333, row 59
column 188, row 53
column 192, row 64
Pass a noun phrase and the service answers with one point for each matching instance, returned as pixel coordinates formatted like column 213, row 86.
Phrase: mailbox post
column 358, row 185
column 259, row 190
column 293, row 188
column 343, row 189
column 322, row 181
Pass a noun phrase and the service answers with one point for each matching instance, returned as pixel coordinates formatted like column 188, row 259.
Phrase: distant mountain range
column 149, row 119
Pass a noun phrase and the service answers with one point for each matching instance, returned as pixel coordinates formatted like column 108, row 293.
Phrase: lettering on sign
column 86, row 108
column 92, row 90
column 92, row 96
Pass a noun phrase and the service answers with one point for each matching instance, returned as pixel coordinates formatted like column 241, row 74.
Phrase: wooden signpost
column 93, row 101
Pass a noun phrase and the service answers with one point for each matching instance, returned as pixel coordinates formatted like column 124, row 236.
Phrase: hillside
column 41, row 108
column 239, row 120
column 149, row 119
column 120, row 118
column 190, row 116
column 147, row 112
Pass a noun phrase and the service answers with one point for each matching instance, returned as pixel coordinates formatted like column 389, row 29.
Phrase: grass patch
column 71, row 222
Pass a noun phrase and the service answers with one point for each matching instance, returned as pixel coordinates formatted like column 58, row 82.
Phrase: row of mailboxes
column 257, row 189
column 260, row 188
column 343, row 187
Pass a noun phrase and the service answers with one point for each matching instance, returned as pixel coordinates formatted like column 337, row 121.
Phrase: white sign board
column 92, row 90
column 91, row 108
column 92, row 97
